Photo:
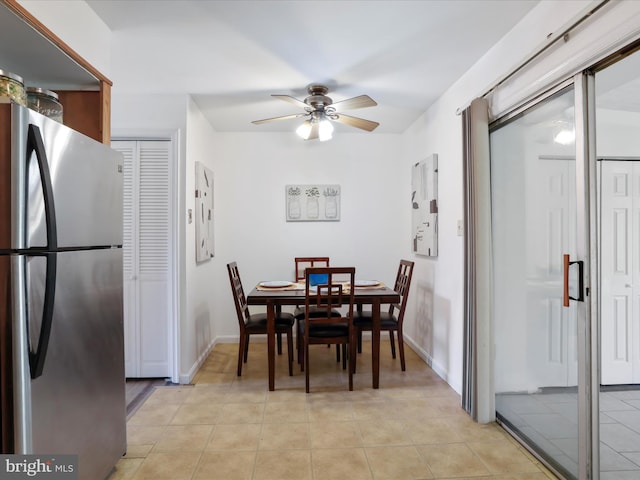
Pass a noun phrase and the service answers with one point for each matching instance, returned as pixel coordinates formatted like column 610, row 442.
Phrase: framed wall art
column 204, row 213
column 424, row 206
column 312, row 203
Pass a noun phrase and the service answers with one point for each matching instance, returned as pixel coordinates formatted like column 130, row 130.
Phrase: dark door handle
column 36, row 144
column 565, row 296
column 37, row 357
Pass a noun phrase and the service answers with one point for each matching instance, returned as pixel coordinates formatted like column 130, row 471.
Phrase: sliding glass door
column 539, row 252
column 565, row 220
column 617, row 100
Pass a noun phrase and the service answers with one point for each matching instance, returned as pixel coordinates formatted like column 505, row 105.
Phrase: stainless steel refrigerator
column 61, row 293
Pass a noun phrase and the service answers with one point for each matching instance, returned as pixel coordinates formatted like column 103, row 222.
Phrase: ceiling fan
column 320, row 111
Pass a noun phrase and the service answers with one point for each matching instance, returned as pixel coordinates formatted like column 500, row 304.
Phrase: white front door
column 620, row 271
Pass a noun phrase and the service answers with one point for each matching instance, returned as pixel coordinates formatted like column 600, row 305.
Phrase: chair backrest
column 302, row 263
column 242, row 309
column 329, row 295
column 403, row 282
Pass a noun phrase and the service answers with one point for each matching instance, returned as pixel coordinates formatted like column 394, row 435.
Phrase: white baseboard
column 185, row 379
column 231, row 339
column 428, row 359
column 421, row 352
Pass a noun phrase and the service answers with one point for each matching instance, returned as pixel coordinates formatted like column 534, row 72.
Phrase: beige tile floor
column 227, row 427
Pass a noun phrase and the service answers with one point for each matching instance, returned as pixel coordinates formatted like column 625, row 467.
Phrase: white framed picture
column 424, row 206
column 204, row 213
column 312, row 203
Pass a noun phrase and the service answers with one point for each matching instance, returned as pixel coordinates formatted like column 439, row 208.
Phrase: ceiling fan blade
column 356, row 102
column 293, row 100
column 285, row 117
column 315, row 129
column 361, row 123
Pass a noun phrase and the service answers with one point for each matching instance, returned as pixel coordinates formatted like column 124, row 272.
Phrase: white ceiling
column 231, row 55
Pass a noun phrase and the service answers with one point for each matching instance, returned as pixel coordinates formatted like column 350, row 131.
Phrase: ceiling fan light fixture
column 321, row 112
column 304, row 130
column 325, row 131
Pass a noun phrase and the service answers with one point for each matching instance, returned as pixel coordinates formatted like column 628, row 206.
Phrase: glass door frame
column 588, row 245
column 588, row 80
column 586, row 251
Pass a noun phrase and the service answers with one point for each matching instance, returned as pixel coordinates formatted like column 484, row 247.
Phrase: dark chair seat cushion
column 314, row 312
column 364, row 320
column 325, row 330
column 258, row 321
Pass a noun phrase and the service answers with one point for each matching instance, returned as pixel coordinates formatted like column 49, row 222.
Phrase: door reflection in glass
column 533, row 185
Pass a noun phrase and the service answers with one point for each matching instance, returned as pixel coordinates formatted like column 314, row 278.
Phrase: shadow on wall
column 424, row 317
column 203, row 332
column 441, row 333
column 431, row 328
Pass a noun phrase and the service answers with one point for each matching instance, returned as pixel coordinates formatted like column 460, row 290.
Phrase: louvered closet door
column 146, row 257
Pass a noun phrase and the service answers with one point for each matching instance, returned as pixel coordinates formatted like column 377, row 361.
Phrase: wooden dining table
column 274, row 298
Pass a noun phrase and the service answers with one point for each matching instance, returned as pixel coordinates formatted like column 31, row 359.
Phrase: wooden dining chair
column 301, row 265
column 323, row 327
column 390, row 320
column 256, row 323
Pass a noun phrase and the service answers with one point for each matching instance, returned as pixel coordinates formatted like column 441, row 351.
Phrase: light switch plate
column 460, row 229
column 190, row 216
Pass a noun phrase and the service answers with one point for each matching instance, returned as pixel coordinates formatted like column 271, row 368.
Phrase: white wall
column 618, row 133
column 251, row 171
column 197, row 328
column 434, row 317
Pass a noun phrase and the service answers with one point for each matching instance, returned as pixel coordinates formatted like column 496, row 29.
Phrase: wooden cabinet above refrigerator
column 31, row 50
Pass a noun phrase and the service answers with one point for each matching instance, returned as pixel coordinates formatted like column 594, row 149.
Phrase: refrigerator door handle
column 35, row 144
column 37, row 358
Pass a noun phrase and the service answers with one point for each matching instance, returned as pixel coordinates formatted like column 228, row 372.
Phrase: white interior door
column 551, row 208
column 147, row 255
column 620, row 271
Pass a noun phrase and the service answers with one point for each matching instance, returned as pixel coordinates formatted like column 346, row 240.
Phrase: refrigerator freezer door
column 86, row 179
column 78, row 403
